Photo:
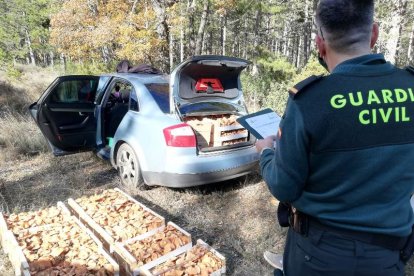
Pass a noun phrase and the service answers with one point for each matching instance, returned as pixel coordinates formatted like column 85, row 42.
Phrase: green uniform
column 346, row 151
column 345, row 157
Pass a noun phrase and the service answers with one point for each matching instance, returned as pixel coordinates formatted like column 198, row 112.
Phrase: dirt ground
column 236, row 217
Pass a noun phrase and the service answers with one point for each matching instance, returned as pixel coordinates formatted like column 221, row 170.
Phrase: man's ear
column 374, row 34
column 320, row 43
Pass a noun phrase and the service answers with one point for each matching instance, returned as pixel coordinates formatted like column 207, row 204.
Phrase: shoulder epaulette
column 294, row 91
column 410, row 69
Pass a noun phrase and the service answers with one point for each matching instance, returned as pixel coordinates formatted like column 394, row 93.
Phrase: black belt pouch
column 283, row 213
column 408, row 249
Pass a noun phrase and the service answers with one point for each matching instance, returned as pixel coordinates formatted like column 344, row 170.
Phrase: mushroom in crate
column 65, row 249
column 116, row 216
column 139, row 254
column 25, row 220
column 201, row 260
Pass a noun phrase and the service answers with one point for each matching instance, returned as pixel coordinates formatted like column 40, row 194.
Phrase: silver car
column 176, row 131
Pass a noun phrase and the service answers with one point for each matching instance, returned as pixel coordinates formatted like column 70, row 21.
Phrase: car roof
column 143, row 78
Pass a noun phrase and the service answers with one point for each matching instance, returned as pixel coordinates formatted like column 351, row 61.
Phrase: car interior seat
column 117, row 113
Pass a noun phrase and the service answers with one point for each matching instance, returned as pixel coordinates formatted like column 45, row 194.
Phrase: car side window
column 161, row 94
column 75, row 91
column 133, row 104
column 120, row 92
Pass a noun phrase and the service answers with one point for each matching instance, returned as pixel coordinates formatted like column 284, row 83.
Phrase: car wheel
column 128, row 168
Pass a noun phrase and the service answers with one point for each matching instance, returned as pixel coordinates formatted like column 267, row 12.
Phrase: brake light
column 181, row 135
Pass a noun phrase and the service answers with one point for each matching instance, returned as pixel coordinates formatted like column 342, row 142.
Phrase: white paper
column 265, row 124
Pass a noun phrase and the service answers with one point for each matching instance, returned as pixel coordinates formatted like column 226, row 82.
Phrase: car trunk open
column 207, row 95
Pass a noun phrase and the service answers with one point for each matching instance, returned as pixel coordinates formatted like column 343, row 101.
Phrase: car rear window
column 161, row 94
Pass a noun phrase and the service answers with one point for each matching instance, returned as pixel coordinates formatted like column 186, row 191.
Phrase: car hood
column 207, row 78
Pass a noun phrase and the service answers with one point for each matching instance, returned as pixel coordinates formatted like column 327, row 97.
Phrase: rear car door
column 65, row 114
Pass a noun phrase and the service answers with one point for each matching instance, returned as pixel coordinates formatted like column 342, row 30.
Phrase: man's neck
column 337, row 58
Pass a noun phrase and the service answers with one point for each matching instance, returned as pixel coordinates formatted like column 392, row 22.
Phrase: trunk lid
column 207, row 79
column 206, row 94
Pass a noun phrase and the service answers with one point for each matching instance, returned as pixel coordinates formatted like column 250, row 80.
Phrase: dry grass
column 236, row 217
column 21, row 138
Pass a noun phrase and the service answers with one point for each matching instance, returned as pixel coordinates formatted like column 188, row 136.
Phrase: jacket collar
column 366, row 64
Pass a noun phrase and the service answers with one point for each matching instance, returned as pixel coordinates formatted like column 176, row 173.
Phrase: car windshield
column 209, row 107
column 160, row 93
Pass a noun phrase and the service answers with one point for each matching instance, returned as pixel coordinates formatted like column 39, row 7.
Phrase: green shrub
column 13, row 72
column 88, row 68
column 261, row 92
column 312, row 68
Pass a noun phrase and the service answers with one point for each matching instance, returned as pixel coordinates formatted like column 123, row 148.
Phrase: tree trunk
column 410, row 56
column 163, row 32
column 52, row 57
column 256, row 40
column 63, row 62
column 285, row 40
column 93, row 7
column 223, row 34
column 105, row 54
column 200, row 33
column 246, row 38
column 29, row 47
column 171, row 50
column 236, row 41
column 398, row 58
column 210, row 42
column 397, row 16
column 298, row 51
column 181, row 37
column 134, row 5
column 182, row 43
column 307, row 34
column 191, row 7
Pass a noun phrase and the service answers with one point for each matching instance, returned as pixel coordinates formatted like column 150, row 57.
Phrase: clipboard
column 261, row 124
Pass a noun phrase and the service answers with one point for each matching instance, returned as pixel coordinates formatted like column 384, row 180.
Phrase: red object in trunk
column 181, row 135
column 209, row 86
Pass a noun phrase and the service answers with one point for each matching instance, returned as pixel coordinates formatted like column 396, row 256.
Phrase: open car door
column 65, row 114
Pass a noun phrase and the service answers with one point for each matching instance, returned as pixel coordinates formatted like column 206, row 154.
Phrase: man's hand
column 266, row 143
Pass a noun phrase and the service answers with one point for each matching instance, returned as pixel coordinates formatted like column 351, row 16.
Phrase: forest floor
column 236, row 217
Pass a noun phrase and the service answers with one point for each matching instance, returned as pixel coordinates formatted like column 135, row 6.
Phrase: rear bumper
column 175, row 180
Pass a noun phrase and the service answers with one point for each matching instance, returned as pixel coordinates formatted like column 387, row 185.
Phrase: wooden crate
column 129, row 265
column 15, row 254
column 220, row 138
column 64, row 213
column 18, row 258
column 219, row 272
column 107, row 240
column 204, row 133
column 4, row 228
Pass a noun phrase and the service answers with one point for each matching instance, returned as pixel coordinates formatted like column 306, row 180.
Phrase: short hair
column 345, row 24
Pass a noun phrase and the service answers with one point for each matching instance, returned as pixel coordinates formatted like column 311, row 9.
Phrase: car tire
column 128, row 168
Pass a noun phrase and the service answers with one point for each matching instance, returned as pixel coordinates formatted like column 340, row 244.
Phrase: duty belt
column 302, row 223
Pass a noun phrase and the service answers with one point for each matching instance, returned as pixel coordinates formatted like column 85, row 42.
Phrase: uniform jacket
column 345, row 153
